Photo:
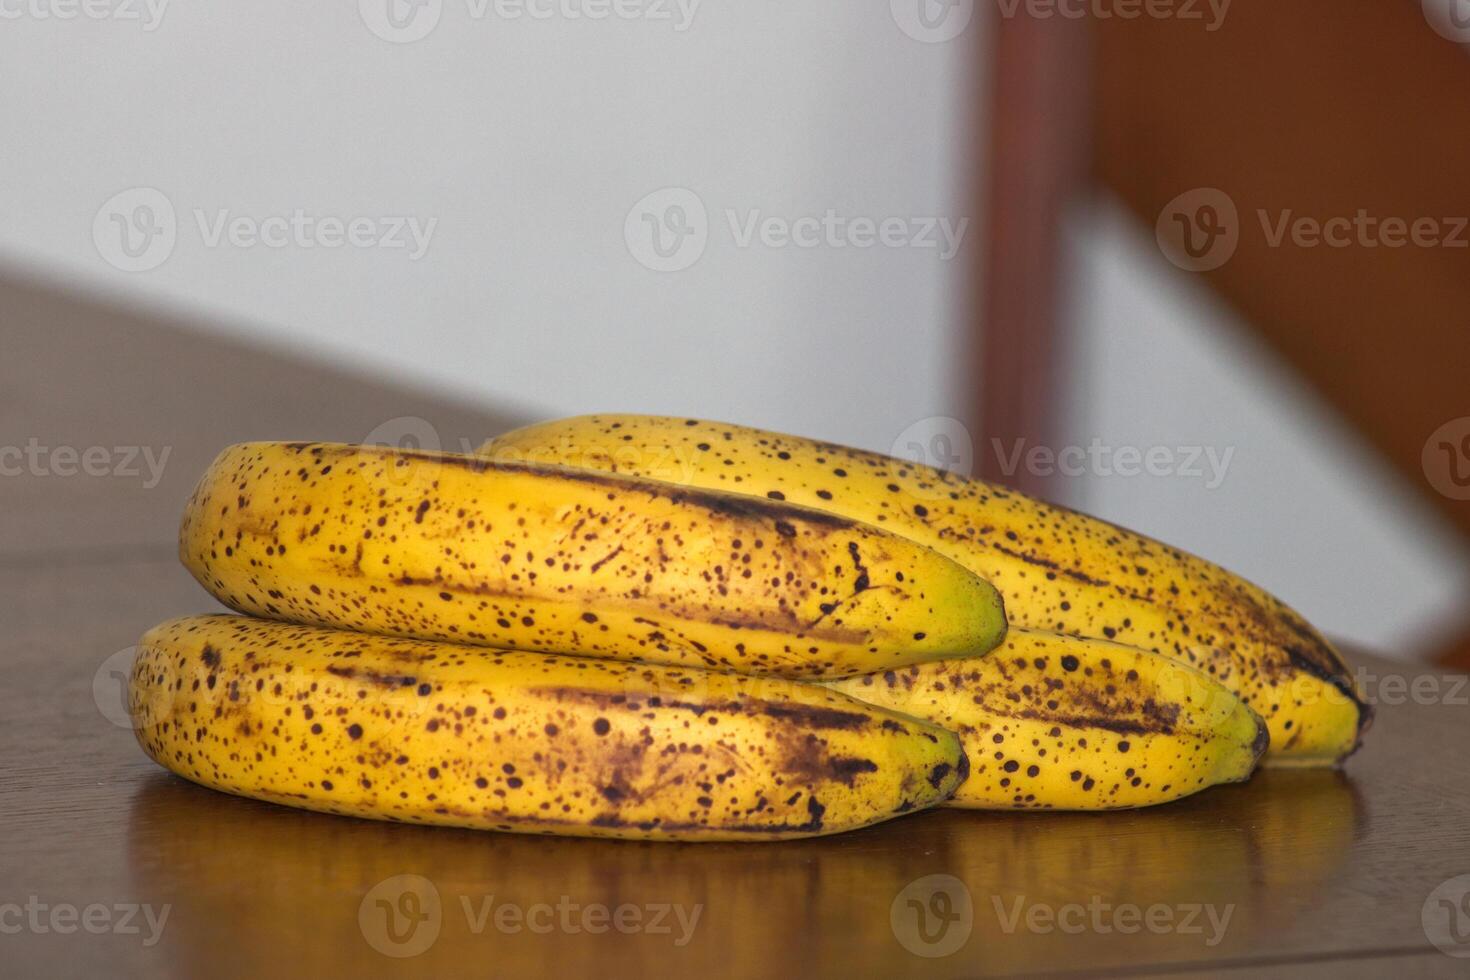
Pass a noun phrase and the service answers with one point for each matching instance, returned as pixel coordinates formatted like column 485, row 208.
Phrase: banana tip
column 1263, row 739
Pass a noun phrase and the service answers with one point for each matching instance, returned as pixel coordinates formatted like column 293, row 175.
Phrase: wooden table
column 1322, row 874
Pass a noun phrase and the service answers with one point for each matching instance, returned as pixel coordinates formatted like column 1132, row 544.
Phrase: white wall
column 529, row 140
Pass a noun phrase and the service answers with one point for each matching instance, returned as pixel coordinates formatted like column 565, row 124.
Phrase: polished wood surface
column 1320, row 873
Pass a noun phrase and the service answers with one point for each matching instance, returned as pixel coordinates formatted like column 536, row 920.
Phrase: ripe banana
column 451, row 547
column 1067, row 723
column 1057, row 570
column 438, row 733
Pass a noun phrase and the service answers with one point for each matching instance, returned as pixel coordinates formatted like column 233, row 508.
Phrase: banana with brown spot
column 1058, row 570
column 1065, row 723
column 450, row 547
column 437, row 733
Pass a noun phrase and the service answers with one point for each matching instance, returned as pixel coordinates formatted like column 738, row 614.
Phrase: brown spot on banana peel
column 804, row 716
column 1311, row 657
column 517, row 564
column 518, row 741
column 1060, row 569
column 1052, row 721
column 1050, row 565
column 729, row 505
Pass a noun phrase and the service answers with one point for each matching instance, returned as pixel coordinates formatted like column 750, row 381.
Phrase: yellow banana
column 1057, row 570
column 450, row 547
column 1067, row 723
column 438, row 733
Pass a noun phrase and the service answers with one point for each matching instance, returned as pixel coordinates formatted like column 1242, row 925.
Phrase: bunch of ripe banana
column 663, row 628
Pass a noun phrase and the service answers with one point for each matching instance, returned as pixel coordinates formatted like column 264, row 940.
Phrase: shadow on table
column 258, row 888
